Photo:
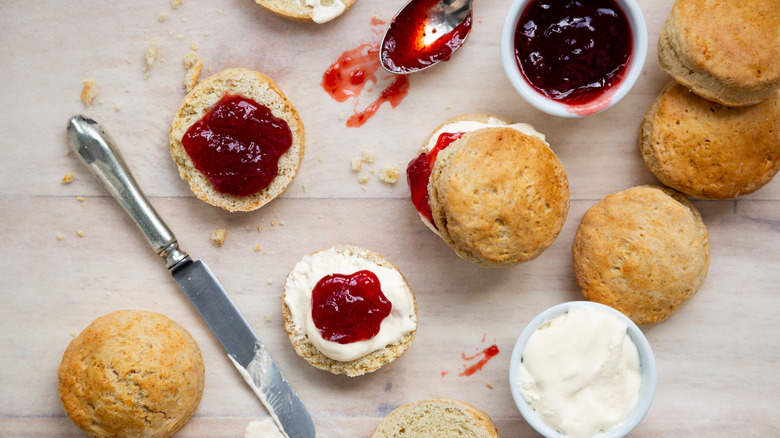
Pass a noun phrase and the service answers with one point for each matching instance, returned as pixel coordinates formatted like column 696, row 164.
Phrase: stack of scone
column 714, row 132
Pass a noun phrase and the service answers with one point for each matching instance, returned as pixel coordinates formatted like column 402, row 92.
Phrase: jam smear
column 349, row 308
column 407, row 48
column 573, row 51
column 419, row 170
column 353, row 71
column 237, row 145
column 486, row 354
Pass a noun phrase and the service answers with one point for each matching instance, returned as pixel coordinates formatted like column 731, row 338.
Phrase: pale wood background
column 717, row 358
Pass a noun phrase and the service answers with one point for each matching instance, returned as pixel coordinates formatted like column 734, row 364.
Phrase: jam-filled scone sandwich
column 724, row 51
column 237, row 140
column 708, row 150
column 131, row 373
column 492, row 189
column 439, row 417
column 643, row 251
column 316, row 11
column 348, row 310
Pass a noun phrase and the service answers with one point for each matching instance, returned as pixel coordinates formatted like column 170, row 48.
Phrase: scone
column 237, row 140
column 317, row 11
column 131, row 373
column 347, row 310
column 708, row 150
column 439, row 417
column 643, row 251
column 496, row 192
column 724, row 51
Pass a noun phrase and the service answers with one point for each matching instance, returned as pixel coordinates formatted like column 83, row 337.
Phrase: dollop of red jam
column 349, row 308
column 407, row 48
column 237, row 145
column 419, row 170
column 573, row 51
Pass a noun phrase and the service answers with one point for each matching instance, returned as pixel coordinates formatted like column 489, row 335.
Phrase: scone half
column 397, row 330
column 314, row 11
column 264, row 91
column 439, row 417
column 498, row 196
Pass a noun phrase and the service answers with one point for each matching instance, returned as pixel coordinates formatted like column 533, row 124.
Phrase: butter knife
column 97, row 150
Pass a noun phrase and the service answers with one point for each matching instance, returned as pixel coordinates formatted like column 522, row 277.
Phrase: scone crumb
column 303, row 187
column 218, row 237
column 364, row 179
column 389, row 174
column 356, row 164
column 175, row 3
column 89, row 91
column 368, row 156
column 117, row 107
column 259, row 228
column 59, row 236
column 162, row 17
column 194, row 45
column 206, row 33
column 258, row 247
column 489, row 385
column 193, row 65
column 80, row 198
column 68, row 178
column 151, row 56
column 79, row 233
column 73, row 333
column 267, row 318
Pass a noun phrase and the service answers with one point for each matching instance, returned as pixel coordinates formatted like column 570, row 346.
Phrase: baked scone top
column 131, row 373
column 439, row 417
column 736, row 42
column 498, row 196
column 643, row 251
column 709, row 150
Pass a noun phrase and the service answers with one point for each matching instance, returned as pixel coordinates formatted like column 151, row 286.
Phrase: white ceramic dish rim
column 648, row 373
column 639, row 28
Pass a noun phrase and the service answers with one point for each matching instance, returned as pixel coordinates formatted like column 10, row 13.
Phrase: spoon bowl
column 424, row 33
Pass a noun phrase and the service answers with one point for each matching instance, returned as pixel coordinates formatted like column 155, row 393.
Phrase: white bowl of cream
column 582, row 369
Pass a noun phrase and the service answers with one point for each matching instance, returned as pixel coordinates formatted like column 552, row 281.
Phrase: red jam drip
column 419, row 170
column 486, row 354
column 349, row 308
column 405, row 48
column 573, row 51
column 353, row 70
column 237, row 145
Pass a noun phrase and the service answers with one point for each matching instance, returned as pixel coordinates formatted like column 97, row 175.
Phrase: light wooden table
column 717, row 358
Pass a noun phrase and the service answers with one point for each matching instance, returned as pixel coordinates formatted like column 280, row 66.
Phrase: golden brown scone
column 708, row 150
column 315, row 11
column 201, row 99
column 724, row 51
column 498, row 196
column 368, row 363
column 643, row 251
column 439, row 417
column 131, row 373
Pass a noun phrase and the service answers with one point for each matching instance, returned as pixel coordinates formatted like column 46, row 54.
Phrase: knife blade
column 97, row 150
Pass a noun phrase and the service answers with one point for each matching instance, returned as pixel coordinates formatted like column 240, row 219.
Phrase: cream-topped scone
column 492, row 189
column 315, row 11
column 348, row 310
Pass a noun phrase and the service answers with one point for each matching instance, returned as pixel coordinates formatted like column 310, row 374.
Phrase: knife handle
column 97, row 150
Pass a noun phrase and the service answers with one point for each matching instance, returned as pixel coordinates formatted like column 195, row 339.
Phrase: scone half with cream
column 492, row 189
column 314, row 11
column 237, row 140
column 348, row 310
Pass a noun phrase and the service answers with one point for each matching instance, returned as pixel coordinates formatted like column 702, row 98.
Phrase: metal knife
column 97, row 150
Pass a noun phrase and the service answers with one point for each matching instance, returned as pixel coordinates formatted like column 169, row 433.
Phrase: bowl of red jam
column 573, row 58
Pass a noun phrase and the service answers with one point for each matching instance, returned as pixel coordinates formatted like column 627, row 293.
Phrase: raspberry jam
column 237, row 145
column 419, row 170
column 406, row 47
column 573, row 51
column 349, row 308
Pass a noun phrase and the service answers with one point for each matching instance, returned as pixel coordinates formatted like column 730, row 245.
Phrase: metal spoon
column 423, row 33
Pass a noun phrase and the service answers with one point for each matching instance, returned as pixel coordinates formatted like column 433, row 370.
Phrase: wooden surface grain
column 717, row 358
